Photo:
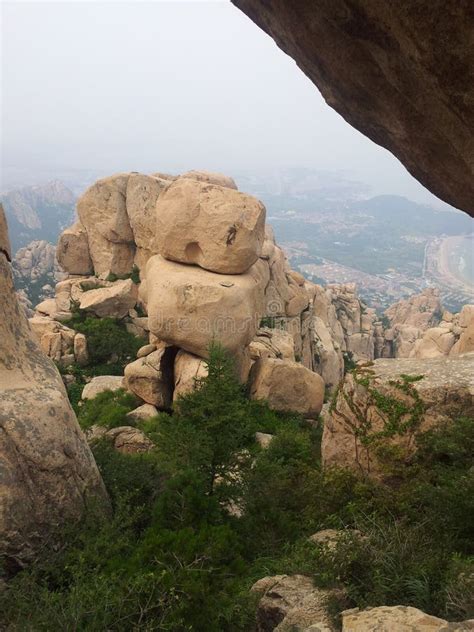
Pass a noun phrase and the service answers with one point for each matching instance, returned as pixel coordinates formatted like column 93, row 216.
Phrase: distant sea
column 461, row 259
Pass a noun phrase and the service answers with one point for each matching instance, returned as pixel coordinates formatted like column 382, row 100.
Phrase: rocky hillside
column 38, row 212
column 36, row 271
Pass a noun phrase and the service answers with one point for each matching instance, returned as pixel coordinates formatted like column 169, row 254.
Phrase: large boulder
column 398, row 619
column 187, row 369
column 151, row 377
column 103, row 213
column 141, row 197
column 72, row 251
column 190, row 307
column 272, row 343
column 214, row 227
column 115, row 300
column 400, row 72
column 385, row 405
column 422, row 310
column 292, row 602
column 287, row 386
column 100, row 384
column 436, row 342
column 48, row 472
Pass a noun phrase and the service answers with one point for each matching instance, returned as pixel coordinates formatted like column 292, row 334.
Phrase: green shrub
column 107, row 409
column 107, row 338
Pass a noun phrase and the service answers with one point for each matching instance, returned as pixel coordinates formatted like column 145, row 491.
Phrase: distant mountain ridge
column 38, row 212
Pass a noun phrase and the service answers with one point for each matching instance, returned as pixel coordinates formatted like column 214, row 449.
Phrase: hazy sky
column 167, row 86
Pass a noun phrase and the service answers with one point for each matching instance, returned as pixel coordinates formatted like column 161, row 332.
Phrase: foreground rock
column 48, row 472
column 287, row 386
column 214, row 227
column 72, row 250
column 292, row 602
column 398, row 619
column 188, row 368
column 392, row 71
column 356, row 426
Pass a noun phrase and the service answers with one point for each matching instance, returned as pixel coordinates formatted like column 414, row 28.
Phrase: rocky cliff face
column 36, row 271
column 48, row 472
column 401, row 73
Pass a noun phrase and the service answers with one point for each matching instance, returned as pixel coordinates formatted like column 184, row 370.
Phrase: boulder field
column 187, row 260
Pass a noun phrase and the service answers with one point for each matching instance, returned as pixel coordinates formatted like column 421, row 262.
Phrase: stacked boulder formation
column 205, row 269
column 188, row 260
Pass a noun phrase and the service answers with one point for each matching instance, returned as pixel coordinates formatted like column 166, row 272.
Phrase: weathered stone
column 214, row 227
column 48, row 472
column 141, row 197
column 292, row 602
column 151, row 377
column 129, row 440
column 190, row 307
column 5, row 246
column 330, row 538
column 145, row 350
column 287, row 386
column 72, row 251
column 103, row 213
column 356, row 427
column 47, row 307
column 80, row 350
column 263, row 439
column 187, row 369
column 102, row 383
column 436, row 342
column 142, row 413
column 398, row 619
column 210, row 178
column 396, row 72
column 272, row 343
column 114, row 300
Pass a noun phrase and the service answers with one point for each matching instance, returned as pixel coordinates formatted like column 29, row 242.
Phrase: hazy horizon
column 168, row 86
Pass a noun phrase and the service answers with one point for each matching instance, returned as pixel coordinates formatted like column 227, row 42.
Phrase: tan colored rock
column 151, row 377
column 210, row 178
column 47, row 307
column 141, row 197
column 114, row 300
column 214, row 227
column 466, row 340
column 190, row 307
column 351, row 439
column 129, row 440
column 330, row 538
column 102, row 383
column 328, row 360
column 402, row 83
column 72, row 251
column 5, row 246
column 436, row 342
column 142, row 413
column 272, row 343
column 80, row 350
column 422, row 310
column 398, row 619
column 145, row 350
column 292, row 602
column 103, row 213
column 187, row 369
column 263, row 439
column 48, row 472
column 287, row 386
column 55, row 340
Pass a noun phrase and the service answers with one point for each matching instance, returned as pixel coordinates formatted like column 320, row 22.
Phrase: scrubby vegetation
column 109, row 345
column 208, row 512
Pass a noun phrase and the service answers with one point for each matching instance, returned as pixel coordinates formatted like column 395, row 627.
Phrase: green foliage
column 207, row 512
column 107, row 338
column 134, row 275
column 107, row 409
column 349, row 364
